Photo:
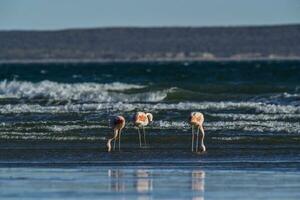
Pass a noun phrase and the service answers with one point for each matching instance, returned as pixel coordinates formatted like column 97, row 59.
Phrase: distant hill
column 108, row 44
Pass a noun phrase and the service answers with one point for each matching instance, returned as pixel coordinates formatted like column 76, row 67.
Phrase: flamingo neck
column 149, row 116
column 113, row 138
column 109, row 145
column 202, row 142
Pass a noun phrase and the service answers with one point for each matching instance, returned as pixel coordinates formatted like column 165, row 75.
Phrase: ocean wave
column 85, row 132
column 56, row 93
column 254, row 107
column 81, row 92
column 255, row 117
column 248, row 107
column 235, row 125
column 258, row 126
column 50, row 128
column 46, row 136
column 170, row 124
column 62, row 128
column 27, row 88
column 280, row 99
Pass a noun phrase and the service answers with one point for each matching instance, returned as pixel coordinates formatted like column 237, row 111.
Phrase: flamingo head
column 150, row 117
column 193, row 117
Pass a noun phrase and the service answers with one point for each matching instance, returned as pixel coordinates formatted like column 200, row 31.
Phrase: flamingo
column 196, row 121
column 141, row 120
column 118, row 124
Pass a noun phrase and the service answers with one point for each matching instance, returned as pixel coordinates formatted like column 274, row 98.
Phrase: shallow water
column 54, row 124
column 164, row 182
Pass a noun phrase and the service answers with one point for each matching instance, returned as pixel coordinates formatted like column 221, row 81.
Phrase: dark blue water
column 54, row 120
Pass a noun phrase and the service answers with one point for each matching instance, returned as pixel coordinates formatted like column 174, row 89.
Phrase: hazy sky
column 60, row 14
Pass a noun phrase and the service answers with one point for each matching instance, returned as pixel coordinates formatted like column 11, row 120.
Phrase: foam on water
column 76, row 103
column 255, row 107
column 282, row 98
column 118, row 92
column 258, row 126
column 65, row 130
column 61, row 128
column 82, row 92
column 25, row 88
column 171, row 124
column 255, row 117
column 45, row 136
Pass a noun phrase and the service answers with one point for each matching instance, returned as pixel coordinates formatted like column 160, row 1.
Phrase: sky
column 63, row 14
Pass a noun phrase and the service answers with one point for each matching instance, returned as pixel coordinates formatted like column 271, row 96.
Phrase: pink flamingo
column 118, row 124
column 141, row 120
column 196, row 120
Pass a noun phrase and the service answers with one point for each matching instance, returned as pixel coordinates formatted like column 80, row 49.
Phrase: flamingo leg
column 120, row 139
column 114, row 144
column 144, row 135
column 197, row 142
column 116, row 137
column 140, row 136
column 192, row 138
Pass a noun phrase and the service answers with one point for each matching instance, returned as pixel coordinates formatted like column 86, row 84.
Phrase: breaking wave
column 248, row 107
column 225, row 126
column 80, row 92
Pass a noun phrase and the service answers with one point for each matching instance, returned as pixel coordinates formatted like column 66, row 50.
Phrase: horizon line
column 153, row 27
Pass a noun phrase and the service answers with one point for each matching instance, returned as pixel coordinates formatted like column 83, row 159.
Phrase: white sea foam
column 60, row 128
column 258, row 108
column 266, row 126
column 229, row 138
column 10, row 131
column 207, row 106
column 82, row 92
column 280, row 99
column 41, row 136
column 259, row 126
column 214, row 106
column 255, row 117
column 170, row 124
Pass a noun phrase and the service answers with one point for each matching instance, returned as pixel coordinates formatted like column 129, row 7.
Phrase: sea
column 55, row 122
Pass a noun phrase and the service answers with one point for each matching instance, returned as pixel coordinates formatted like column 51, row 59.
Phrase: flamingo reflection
column 144, row 183
column 198, row 184
column 117, row 182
